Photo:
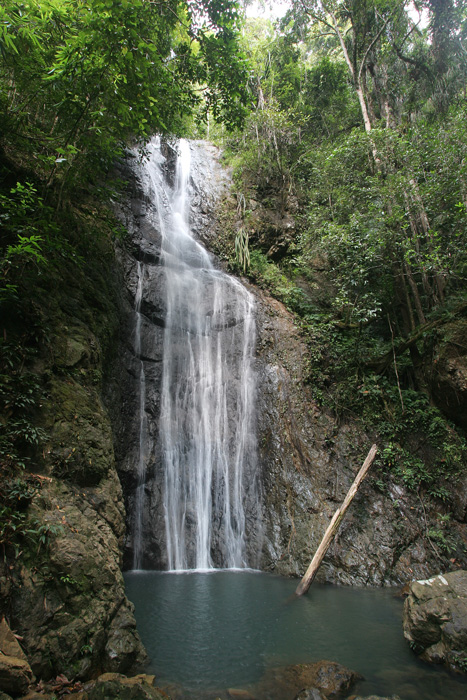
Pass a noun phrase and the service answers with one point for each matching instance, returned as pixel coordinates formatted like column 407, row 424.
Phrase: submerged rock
column 239, row 694
column 435, row 619
column 311, row 681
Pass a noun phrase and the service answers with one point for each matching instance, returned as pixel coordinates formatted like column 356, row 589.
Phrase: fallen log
column 330, row 533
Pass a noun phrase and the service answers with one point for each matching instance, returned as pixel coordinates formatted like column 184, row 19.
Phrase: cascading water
column 141, row 467
column 206, row 481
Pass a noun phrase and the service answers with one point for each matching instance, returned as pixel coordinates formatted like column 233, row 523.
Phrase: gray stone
column 123, row 651
column 435, row 619
column 310, row 694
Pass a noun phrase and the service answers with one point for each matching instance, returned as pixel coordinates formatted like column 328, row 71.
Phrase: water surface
column 216, row 630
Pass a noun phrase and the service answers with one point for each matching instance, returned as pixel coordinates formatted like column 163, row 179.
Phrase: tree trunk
column 334, row 525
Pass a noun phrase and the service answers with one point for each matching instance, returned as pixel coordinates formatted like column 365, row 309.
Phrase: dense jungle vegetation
column 79, row 82
column 358, row 133
column 347, row 117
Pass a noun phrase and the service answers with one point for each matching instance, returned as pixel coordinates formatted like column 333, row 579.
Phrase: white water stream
column 141, row 467
column 206, row 424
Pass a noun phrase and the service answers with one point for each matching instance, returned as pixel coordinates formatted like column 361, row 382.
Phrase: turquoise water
column 209, row 631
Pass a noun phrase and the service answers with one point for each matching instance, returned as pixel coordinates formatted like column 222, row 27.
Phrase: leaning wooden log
column 334, row 525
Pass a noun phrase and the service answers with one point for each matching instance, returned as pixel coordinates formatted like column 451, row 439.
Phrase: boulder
column 15, row 672
column 435, row 619
column 9, row 645
column 312, row 681
column 310, row 694
column 115, row 685
column 15, row 675
column 333, row 679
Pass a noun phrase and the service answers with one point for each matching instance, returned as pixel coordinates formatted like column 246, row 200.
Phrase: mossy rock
column 113, row 686
column 80, row 447
column 76, row 348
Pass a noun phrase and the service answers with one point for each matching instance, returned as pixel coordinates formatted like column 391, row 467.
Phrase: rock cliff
column 61, row 585
column 64, row 594
column 308, row 458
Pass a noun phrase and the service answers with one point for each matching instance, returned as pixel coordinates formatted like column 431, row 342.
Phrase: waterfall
column 141, row 466
column 206, row 473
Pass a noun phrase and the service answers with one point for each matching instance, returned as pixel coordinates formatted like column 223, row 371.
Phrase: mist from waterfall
column 206, row 428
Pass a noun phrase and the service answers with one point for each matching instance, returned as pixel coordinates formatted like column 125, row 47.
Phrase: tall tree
column 79, row 78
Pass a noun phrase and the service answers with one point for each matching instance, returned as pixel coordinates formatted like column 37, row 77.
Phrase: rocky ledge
column 435, row 619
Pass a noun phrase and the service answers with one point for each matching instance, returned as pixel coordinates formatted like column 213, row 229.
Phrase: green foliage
column 460, row 659
column 17, row 529
column 440, row 535
column 86, row 649
column 24, row 219
column 21, row 392
column 327, row 99
column 242, row 252
column 356, row 127
column 77, row 80
column 267, row 274
column 68, row 580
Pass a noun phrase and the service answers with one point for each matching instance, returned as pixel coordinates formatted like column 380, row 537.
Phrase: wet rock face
column 70, row 605
column 210, row 182
column 142, row 257
column 65, row 594
column 435, row 619
column 308, row 463
column 143, row 340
